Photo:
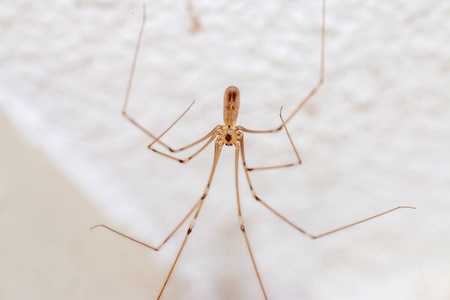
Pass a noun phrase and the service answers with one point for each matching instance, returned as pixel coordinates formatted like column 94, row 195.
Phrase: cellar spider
column 229, row 134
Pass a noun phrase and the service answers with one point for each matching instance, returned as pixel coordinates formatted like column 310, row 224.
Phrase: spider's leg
column 241, row 220
column 218, row 149
column 130, row 83
column 322, row 68
column 314, row 89
column 298, row 162
column 292, row 224
column 144, row 244
column 212, row 136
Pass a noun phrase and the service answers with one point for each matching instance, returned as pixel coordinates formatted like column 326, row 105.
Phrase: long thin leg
column 218, row 149
column 241, row 220
column 322, row 67
column 130, row 83
column 292, row 224
column 332, row 231
column 188, row 146
column 315, row 88
column 183, row 161
column 144, row 244
column 298, row 162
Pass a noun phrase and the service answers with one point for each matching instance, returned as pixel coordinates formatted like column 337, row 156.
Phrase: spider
column 228, row 134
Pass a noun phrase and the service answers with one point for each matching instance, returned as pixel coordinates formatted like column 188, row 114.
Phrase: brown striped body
column 231, row 102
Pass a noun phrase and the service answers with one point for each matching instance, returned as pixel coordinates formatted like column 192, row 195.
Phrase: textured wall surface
column 376, row 136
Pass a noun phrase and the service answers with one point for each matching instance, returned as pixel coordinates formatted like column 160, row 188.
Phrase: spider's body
column 229, row 134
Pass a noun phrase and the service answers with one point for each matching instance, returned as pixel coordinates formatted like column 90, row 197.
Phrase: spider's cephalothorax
column 228, row 135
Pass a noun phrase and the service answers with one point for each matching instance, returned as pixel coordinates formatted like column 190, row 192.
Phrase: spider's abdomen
column 231, row 102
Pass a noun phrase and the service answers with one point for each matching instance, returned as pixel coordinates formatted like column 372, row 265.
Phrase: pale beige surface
column 46, row 248
column 374, row 137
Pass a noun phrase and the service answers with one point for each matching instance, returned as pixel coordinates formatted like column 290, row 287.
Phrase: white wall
column 376, row 136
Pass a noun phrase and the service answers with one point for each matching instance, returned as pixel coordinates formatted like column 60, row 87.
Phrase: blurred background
column 376, row 136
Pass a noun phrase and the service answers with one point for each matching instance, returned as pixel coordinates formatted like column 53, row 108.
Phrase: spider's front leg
column 127, row 96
